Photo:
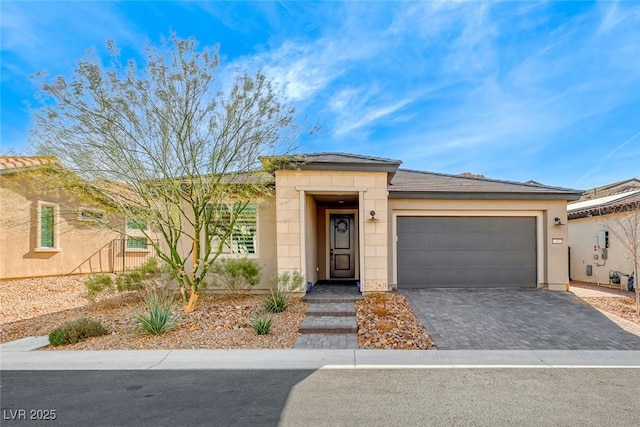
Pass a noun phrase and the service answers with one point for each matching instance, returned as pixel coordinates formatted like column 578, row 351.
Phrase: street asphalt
column 323, row 397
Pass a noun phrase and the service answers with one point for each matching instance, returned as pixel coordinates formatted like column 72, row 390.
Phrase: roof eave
column 628, row 205
column 480, row 195
column 350, row 167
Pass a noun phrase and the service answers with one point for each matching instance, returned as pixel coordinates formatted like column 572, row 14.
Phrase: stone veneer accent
column 372, row 186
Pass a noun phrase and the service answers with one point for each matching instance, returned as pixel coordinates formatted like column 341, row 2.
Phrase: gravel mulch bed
column 386, row 321
column 621, row 306
column 28, row 298
column 219, row 322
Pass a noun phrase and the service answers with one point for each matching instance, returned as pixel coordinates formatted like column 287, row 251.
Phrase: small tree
column 624, row 224
column 166, row 143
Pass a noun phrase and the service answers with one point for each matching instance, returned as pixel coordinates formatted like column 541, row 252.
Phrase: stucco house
column 48, row 231
column 595, row 221
column 344, row 217
column 334, row 217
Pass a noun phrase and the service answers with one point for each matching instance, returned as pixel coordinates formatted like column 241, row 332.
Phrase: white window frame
column 256, row 235
column 56, row 227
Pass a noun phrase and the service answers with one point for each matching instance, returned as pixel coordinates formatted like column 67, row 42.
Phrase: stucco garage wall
column 552, row 262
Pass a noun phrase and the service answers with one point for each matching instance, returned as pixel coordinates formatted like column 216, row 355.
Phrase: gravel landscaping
column 386, row 321
column 37, row 306
column 622, row 307
column 219, row 322
column 33, row 307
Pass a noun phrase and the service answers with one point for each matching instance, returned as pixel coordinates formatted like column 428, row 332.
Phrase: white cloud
column 370, row 115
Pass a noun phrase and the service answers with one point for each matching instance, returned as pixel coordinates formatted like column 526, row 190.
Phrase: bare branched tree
column 624, row 224
column 166, row 144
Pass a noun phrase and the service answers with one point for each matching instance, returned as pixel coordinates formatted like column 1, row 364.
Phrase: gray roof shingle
column 343, row 158
column 405, row 183
column 413, row 184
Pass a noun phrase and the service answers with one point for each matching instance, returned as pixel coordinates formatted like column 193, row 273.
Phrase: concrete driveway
column 501, row 319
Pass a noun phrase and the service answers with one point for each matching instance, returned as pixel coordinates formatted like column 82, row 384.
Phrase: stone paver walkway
column 330, row 321
column 500, row 319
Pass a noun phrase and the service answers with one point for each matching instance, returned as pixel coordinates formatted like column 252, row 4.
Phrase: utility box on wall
column 589, row 270
column 603, row 239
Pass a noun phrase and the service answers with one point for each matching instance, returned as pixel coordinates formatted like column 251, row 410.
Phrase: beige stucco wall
column 294, row 224
column 267, row 238
column 266, row 251
column 552, row 258
column 582, row 238
column 82, row 246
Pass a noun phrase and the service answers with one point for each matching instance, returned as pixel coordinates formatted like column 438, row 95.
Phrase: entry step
column 331, row 309
column 326, row 299
column 327, row 341
column 328, row 325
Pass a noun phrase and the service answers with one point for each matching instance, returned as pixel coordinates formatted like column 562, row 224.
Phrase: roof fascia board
column 481, row 195
column 351, row 167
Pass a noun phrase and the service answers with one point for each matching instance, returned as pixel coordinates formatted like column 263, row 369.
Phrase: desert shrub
column 289, row 282
column 236, row 274
column 262, row 324
column 76, row 331
column 276, row 302
column 96, row 284
column 139, row 277
column 157, row 318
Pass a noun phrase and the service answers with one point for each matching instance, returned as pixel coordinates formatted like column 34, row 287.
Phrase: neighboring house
column 597, row 254
column 343, row 217
column 46, row 231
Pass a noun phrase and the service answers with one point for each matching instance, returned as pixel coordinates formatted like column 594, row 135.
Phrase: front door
column 342, row 246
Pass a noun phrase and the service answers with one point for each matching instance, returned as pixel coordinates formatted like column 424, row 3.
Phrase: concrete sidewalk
column 314, row 359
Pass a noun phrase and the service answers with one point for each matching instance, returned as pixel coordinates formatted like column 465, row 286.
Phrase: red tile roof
column 17, row 163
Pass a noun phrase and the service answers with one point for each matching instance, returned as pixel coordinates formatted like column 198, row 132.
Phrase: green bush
column 157, row 319
column 262, row 324
column 289, row 282
column 97, row 283
column 276, row 302
column 76, row 331
column 138, row 278
column 236, row 274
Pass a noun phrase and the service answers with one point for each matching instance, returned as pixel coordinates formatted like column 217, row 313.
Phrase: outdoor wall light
column 557, row 221
column 373, row 216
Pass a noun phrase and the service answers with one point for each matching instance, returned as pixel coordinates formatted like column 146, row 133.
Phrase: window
column 136, row 224
column 136, row 240
column 137, row 243
column 90, row 215
column 47, row 226
column 239, row 222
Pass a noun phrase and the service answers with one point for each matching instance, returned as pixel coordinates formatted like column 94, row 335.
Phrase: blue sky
column 548, row 91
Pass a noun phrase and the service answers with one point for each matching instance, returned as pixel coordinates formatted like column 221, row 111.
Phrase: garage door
column 460, row 252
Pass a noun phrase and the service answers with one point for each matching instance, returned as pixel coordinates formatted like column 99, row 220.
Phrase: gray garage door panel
column 437, row 252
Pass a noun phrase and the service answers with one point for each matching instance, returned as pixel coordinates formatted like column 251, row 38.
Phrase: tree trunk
column 635, row 285
column 637, row 288
column 193, row 299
